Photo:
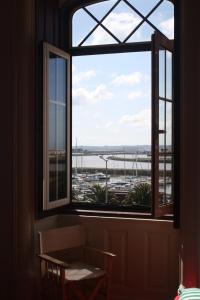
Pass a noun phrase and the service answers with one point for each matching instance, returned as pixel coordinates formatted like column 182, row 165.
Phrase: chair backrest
column 61, row 238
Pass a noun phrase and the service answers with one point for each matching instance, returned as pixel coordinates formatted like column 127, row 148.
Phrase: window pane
column 144, row 6
column 57, row 176
column 162, row 73
column 57, row 161
column 122, row 20
column 99, row 37
column 169, row 179
column 82, row 24
column 62, row 175
column 100, row 9
column 52, row 77
column 169, row 126
column 162, row 178
column 168, row 75
column 162, row 143
column 142, row 34
column 162, row 170
column 53, row 176
column 163, row 19
column 161, row 115
column 61, row 80
column 52, row 126
column 61, row 127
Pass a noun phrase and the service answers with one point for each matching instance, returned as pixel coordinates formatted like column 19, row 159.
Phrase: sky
column 112, row 93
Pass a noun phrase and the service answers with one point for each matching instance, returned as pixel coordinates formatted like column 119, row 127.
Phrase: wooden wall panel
column 116, row 242
column 156, row 261
column 147, row 263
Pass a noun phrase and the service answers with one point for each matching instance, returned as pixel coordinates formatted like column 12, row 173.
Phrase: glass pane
column 61, row 128
column 52, row 126
column 168, row 75
column 162, row 170
column 62, row 175
column 162, row 178
column 162, row 73
column 52, row 77
column 99, row 10
column 82, row 24
column 142, row 34
column 144, row 6
column 52, row 176
column 121, row 21
column 161, row 115
column 57, row 127
column 169, row 126
column 99, row 37
column 163, row 19
column 161, row 143
column 61, row 80
column 169, row 179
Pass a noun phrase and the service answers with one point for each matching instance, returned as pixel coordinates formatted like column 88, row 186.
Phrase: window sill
column 114, row 213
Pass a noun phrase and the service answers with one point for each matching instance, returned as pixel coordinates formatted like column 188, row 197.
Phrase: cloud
column 120, row 24
column 80, row 76
column 135, row 95
column 168, row 27
column 141, row 119
column 107, row 125
column 85, row 96
column 104, row 125
column 129, row 79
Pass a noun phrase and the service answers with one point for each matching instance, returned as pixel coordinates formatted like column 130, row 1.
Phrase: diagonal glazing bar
column 100, row 24
column 95, row 27
column 145, row 18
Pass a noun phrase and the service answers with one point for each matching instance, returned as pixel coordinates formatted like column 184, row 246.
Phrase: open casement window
column 162, row 125
column 56, row 127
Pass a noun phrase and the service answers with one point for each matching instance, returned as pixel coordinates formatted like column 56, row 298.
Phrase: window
column 56, row 122
column 122, row 110
column 163, row 124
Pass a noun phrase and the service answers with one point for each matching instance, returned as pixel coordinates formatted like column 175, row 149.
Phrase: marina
column 119, row 176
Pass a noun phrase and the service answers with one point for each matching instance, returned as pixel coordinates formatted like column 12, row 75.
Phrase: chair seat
column 80, row 271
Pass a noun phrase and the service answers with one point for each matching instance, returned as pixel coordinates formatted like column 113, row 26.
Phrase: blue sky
column 112, row 93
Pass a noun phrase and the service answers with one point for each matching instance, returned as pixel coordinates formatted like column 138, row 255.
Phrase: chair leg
column 108, row 278
column 108, row 288
column 76, row 291
column 95, row 290
column 63, row 285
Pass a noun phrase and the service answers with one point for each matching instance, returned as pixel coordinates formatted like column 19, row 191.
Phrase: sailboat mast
column 76, row 157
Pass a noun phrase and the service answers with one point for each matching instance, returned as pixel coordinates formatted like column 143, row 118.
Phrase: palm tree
column 140, row 195
column 98, row 195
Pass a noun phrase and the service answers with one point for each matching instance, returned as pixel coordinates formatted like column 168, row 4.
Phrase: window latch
column 161, row 131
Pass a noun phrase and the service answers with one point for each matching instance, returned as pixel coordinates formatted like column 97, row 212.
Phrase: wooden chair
column 66, row 272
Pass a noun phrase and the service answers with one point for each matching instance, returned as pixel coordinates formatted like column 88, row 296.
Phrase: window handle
column 161, row 131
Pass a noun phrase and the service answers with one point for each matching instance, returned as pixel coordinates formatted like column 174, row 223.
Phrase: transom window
column 122, row 21
column 121, row 99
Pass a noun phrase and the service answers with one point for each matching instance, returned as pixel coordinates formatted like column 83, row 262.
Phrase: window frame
column 47, row 49
column 160, row 41
column 67, row 14
column 125, row 47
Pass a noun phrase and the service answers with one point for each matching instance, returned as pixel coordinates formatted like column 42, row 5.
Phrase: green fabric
column 190, row 294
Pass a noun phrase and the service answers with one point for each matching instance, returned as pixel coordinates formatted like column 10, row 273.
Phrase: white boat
column 96, row 177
